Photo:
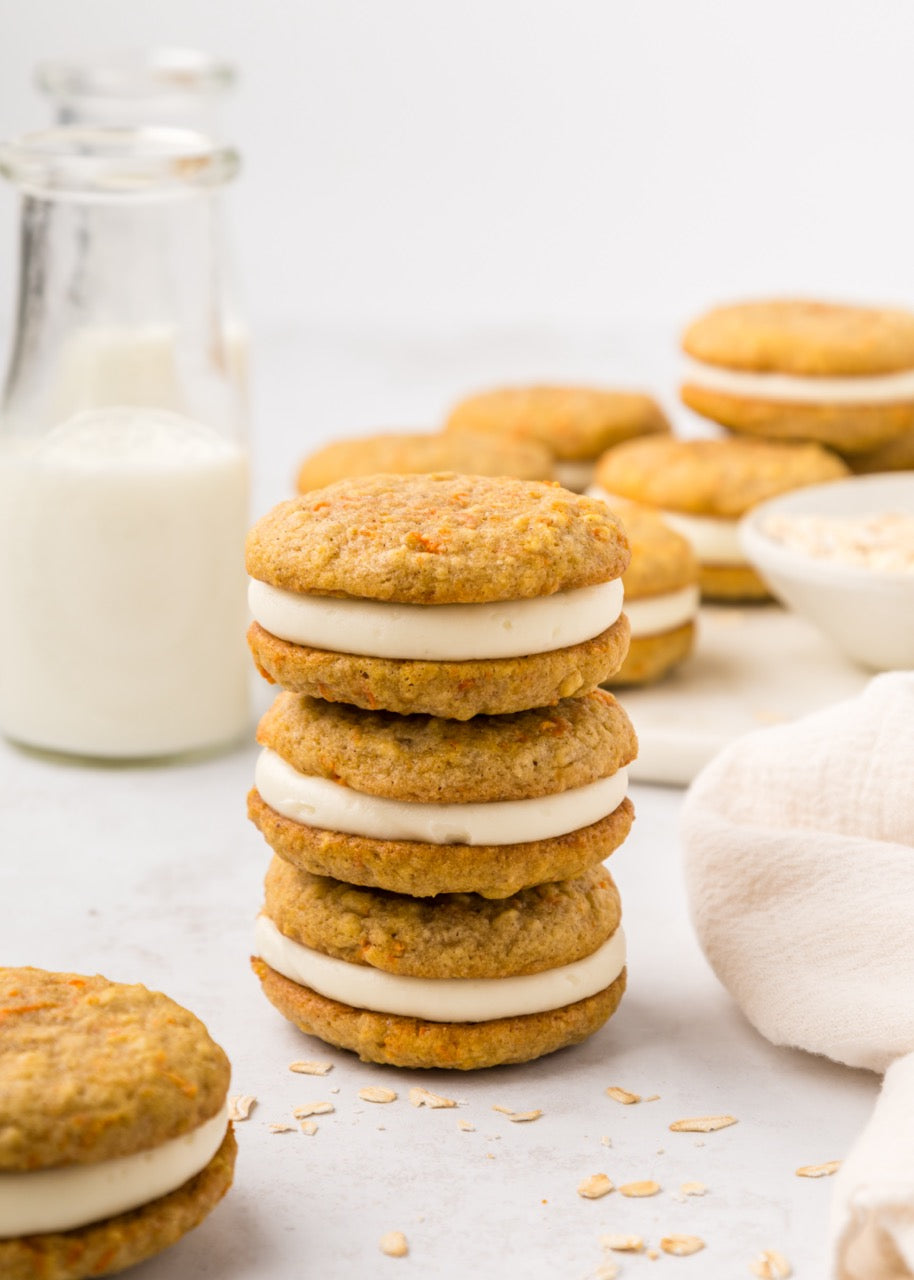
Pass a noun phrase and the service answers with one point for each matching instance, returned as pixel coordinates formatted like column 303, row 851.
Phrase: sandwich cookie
column 417, row 453
column 839, row 375
column 661, row 595
column 456, row 981
column 702, row 488
column 423, row 806
column 575, row 423
column 897, row 455
column 114, row 1132
column 444, row 594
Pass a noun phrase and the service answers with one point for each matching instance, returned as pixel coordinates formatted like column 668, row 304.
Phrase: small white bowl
column 867, row 613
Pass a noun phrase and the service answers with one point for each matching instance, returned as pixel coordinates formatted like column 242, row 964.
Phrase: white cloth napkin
column 799, row 863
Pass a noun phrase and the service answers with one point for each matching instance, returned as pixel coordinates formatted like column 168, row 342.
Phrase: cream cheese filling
column 652, row 615
column 714, row 539
column 317, row 802
column 441, row 632
column 75, row 1195
column 883, row 388
column 439, row 999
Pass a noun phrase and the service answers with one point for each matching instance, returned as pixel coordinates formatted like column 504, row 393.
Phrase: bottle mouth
column 86, row 161
column 129, row 74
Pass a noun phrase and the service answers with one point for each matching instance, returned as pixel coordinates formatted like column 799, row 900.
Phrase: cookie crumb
column 622, row 1095
column 308, row 1127
column 622, row 1243
column 702, row 1124
column 375, row 1093
column 652, row 1254
column 518, row 1117
column 595, row 1187
column 420, row 1097
column 312, row 1109
column 638, row 1189
column 305, row 1068
column 394, row 1244
column 240, row 1106
column 819, row 1170
column 771, row 1265
column 681, row 1246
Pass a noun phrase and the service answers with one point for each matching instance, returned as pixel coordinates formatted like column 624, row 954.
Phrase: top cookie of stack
column 444, row 594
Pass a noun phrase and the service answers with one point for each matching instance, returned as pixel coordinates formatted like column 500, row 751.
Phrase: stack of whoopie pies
column 441, row 777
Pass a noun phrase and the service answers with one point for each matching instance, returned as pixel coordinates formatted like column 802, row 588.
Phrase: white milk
column 122, row 590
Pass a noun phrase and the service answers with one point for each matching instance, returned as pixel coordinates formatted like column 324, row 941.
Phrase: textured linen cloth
column 799, row 863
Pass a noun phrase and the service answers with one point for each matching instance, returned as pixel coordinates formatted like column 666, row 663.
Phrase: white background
column 556, row 162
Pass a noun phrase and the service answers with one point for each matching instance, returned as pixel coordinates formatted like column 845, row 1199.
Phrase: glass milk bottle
column 123, row 461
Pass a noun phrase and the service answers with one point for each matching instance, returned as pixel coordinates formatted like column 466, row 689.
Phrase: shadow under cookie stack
column 441, row 777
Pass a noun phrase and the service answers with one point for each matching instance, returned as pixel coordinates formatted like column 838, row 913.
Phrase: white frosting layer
column 573, row 474
column 439, row 999
column 441, row 632
column 653, row 615
column 63, row 1198
column 878, row 389
column 714, row 539
column 317, row 802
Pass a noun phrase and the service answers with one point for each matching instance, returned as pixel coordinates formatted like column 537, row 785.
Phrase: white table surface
column 153, row 875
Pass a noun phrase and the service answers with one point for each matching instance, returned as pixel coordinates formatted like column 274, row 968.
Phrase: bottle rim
column 116, row 163
column 137, row 73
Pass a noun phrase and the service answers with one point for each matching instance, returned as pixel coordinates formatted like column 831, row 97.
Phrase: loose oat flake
column 819, row 1170
column 312, row 1109
column 425, row 1098
column 311, row 1068
column 622, row 1244
column 281, row 1127
column 374, row 1093
column 465, row 1126
column 693, row 1189
column 240, row 1106
column 606, row 1140
column 638, row 1189
column 606, row 1271
column 622, row 1095
column 771, row 1265
column 595, row 1187
column 681, row 1246
column 393, row 1243
column 703, row 1124
column 309, row 1127
column 518, row 1117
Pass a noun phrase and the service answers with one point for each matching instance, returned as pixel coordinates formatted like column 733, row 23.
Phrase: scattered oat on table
column 240, row 1106
column 309, row 1127
column 606, row 1140
column 375, row 1093
column 681, row 1246
column 652, row 1097
column 622, row 1095
column 465, row 1126
column 393, row 1243
column 622, row 1243
column 311, row 1068
column 653, row 1254
column 518, row 1117
column 702, row 1124
column 420, row 1097
column 280, row 1126
column 638, row 1189
column 312, row 1109
column 771, row 1265
column 819, row 1170
column 607, row 1270
column 693, row 1189
column 595, row 1187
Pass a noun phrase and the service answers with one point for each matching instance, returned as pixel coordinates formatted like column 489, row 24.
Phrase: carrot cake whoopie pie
column 800, row 370
column 114, row 1132
column 575, row 423
column 446, row 594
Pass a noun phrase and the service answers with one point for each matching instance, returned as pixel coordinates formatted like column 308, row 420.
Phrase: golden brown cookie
column 455, row 935
column 423, row 870
column 732, row 583
column 897, row 455
column 413, row 453
column 93, row 1071
column 425, row 759
column 414, row 1042
column 575, row 423
column 437, row 539
column 787, row 370
column 651, row 657
column 456, row 690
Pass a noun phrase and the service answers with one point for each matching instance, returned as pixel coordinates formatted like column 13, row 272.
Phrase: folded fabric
column 799, row 843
